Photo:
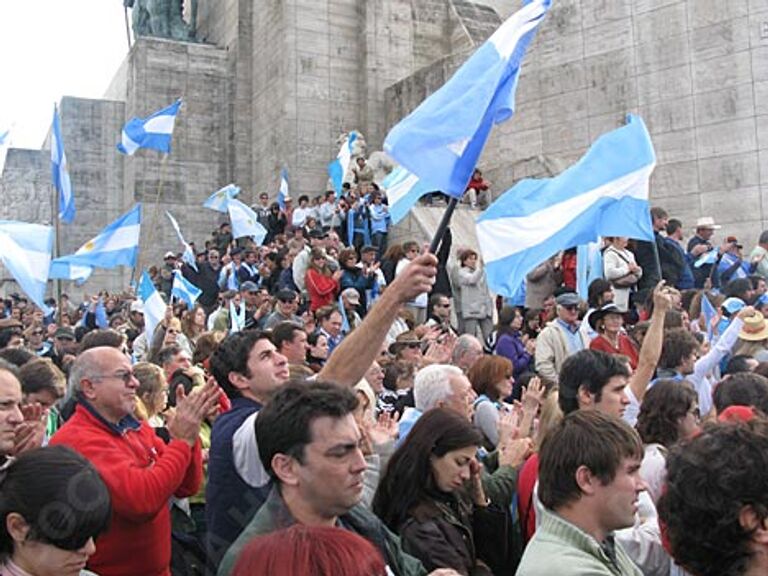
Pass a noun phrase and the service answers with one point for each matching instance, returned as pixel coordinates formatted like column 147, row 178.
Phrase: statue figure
column 163, row 19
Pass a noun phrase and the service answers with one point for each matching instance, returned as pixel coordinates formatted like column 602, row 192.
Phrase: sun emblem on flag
column 89, row 246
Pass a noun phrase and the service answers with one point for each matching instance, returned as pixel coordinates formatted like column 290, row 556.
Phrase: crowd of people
column 334, row 403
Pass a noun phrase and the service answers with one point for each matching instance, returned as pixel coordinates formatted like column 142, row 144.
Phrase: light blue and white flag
column 604, row 194
column 155, row 131
column 589, row 266
column 25, row 250
column 283, row 193
column 706, row 258
column 183, row 289
column 60, row 172
column 154, row 306
column 218, row 200
column 4, row 137
column 245, row 222
column 403, row 191
column 116, row 245
column 339, row 167
column 188, row 256
column 709, row 314
column 442, row 139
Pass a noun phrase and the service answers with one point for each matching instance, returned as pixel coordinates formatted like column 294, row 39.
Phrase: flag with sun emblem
column 245, row 222
column 218, row 200
column 116, row 245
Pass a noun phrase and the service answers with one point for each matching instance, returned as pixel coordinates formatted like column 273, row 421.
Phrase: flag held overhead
column 218, row 200
column 604, row 194
column 60, row 172
column 440, row 142
column 26, row 253
column 245, row 222
column 339, row 167
column 284, row 192
column 155, row 131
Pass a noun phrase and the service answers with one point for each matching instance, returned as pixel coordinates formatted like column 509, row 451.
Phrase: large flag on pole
column 403, row 191
column 339, row 167
column 25, row 249
column 60, row 172
column 218, row 200
column 154, row 306
column 604, row 194
column 188, row 256
column 116, row 245
column 283, row 193
column 245, row 222
column 441, row 141
column 155, row 131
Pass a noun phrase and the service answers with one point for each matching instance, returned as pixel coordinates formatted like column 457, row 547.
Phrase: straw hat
column 755, row 328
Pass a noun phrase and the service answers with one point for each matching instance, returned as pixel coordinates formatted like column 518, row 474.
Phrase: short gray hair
column 432, row 385
column 463, row 344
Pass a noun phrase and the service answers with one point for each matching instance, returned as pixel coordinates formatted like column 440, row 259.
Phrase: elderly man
column 699, row 245
column 310, row 445
column 141, row 472
column 560, row 338
column 466, row 351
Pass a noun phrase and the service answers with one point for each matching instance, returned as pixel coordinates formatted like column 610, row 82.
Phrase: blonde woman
column 152, row 394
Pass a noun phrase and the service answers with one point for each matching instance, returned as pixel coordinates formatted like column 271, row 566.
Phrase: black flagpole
column 441, row 228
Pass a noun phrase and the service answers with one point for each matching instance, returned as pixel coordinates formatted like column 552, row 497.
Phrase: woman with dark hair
column 317, row 351
column 276, row 222
column 669, row 413
column 389, row 261
column 53, row 504
column 354, row 277
column 322, row 284
column 423, row 494
column 310, row 551
column 510, row 344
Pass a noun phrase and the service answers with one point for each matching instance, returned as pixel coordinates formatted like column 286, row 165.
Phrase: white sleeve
column 245, row 454
column 642, row 542
column 633, row 409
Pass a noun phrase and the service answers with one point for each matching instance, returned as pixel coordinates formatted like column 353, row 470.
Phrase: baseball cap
column 64, row 333
column 351, row 295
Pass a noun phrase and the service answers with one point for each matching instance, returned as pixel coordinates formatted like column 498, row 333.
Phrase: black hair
column 232, row 356
column 589, row 369
column 663, row 406
column 738, row 288
column 738, row 363
column 597, row 288
column 408, row 478
column 284, row 424
column 17, row 356
column 741, row 389
column 284, row 332
column 59, row 494
column 99, row 338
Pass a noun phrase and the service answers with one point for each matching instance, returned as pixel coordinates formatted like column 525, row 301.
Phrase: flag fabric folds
column 184, row 290
column 441, row 141
column 245, row 222
column 116, row 245
column 604, row 194
column 706, row 258
column 25, row 250
column 403, row 191
column 60, row 172
column 283, row 192
column 339, row 167
column 155, row 131
column 218, row 200
column 709, row 314
column 188, row 256
column 154, row 306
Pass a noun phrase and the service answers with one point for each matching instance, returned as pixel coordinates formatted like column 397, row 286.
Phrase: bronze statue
column 163, row 19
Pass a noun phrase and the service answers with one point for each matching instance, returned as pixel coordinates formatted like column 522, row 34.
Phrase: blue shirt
column 572, row 336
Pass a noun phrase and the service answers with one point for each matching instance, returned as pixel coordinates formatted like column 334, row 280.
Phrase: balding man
column 466, row 351
column 140, row 470
column 10, row 410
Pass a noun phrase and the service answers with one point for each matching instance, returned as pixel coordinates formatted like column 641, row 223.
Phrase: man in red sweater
column 140, row 470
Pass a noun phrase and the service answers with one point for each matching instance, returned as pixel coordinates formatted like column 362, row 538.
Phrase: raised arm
column 650, row 352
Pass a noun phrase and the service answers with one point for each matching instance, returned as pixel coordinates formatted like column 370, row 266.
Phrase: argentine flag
column 155, row 131
column 184, row 290
column 154, row 306
column 116, row 245
column 188, row 256
column 603, row 194
column 60, row 172
column 283, row 193
column 442, row 139
column 709, row 314
column 706, row 258
column 245, row 222
column 25, row 250
column 339, row 167
column 403, row 191
column 218, row 200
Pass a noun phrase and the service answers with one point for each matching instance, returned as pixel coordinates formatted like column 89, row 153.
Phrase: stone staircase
column 422, row 222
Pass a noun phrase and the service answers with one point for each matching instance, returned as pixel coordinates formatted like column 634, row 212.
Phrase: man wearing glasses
column 560, row 338
column 140, row 470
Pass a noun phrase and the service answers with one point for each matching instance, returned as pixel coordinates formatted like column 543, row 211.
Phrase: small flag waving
column 218, row 200
column 706, row 258
column 155, row 131
column 403, row 191
column 116, row 245
column 188, row 256
column 245, row 222
column 709, row 314
column 339, row 167
column 184, row 290
column 154, row 306
column 283, row 193
column 604, row 194
column 60, row 172
column 26, row 252
column 441, row 141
